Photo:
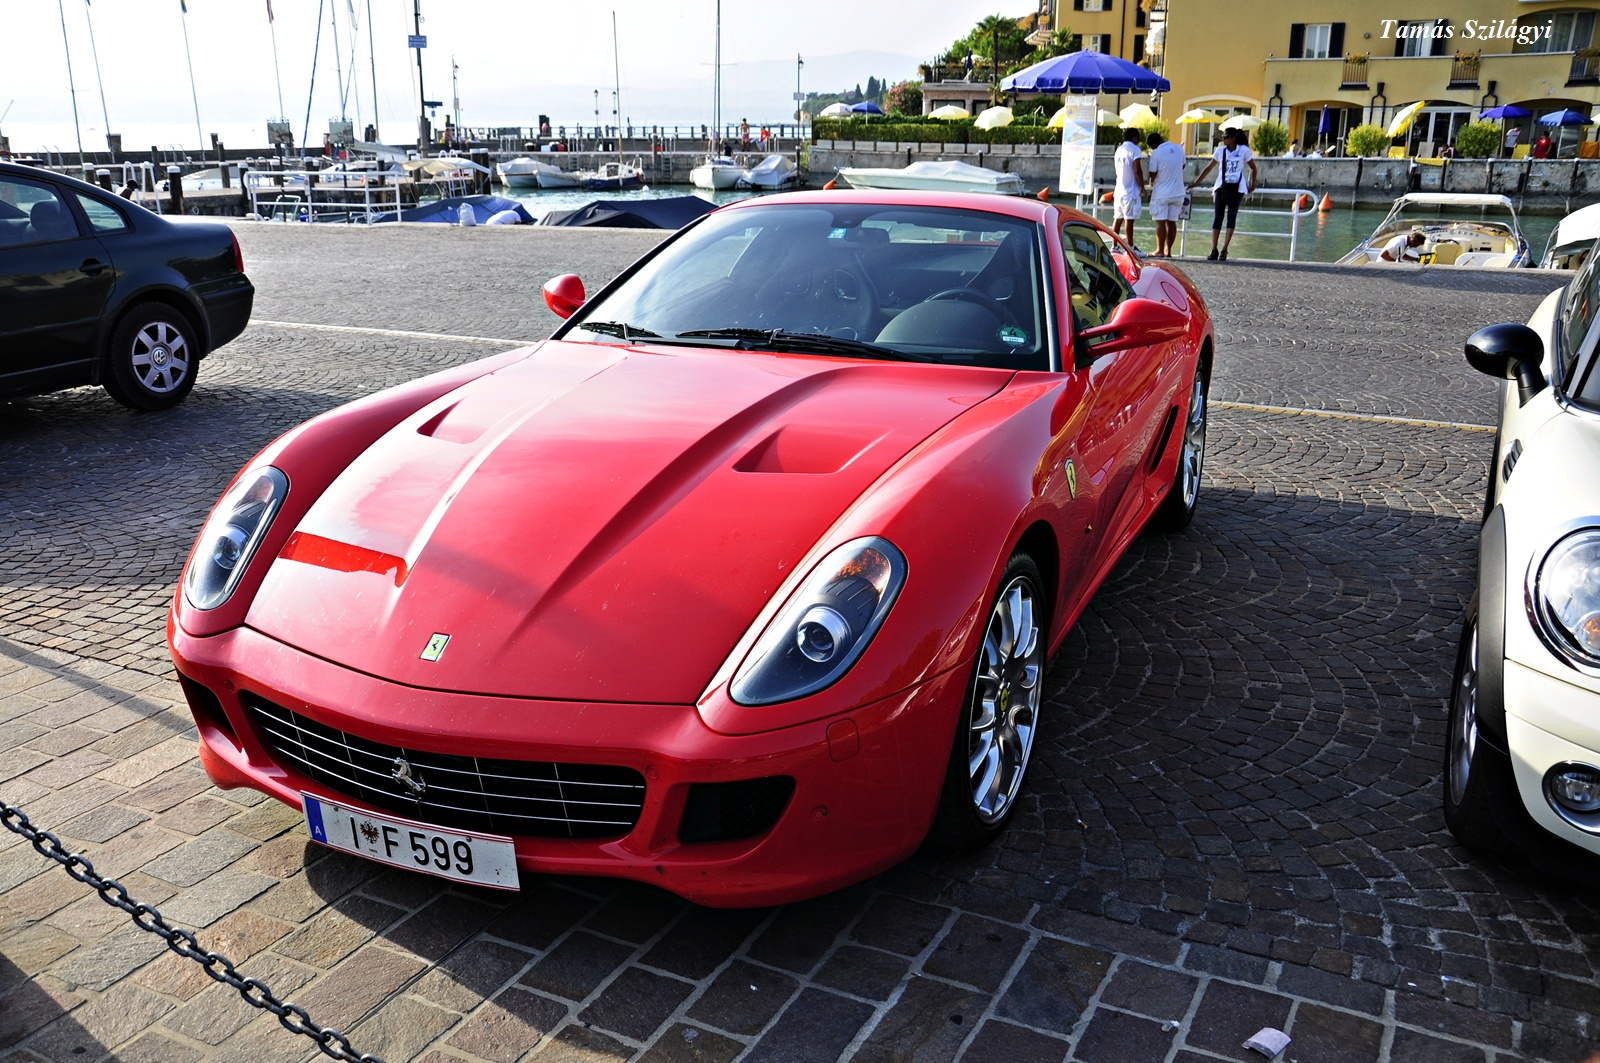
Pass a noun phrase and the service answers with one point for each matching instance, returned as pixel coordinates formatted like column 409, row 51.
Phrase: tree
column 1270, row 138
column 905, row 98
column 1368, row 140
column 1478, row 140
column 872, row 88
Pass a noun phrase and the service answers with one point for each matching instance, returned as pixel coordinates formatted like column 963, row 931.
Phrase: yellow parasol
column 1242, row 121
column 1404, row 116
column 1137, row 114
column 1198, row 116
column 993, row 118
column 950, row 113
column 1107, row 118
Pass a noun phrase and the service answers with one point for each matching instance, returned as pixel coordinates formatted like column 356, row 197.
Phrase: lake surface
column 1324, row 237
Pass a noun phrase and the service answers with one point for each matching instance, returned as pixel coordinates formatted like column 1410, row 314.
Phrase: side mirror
column 564, row 294
column 1509, row 351
column 1135, row 323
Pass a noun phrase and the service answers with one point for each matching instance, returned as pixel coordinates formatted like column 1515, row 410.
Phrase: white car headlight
column 1566, row 597
column 231, row 536
column 824, row 626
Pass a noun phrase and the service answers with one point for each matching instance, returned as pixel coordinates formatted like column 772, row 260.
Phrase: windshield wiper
column 618, row 328
column 810, row 342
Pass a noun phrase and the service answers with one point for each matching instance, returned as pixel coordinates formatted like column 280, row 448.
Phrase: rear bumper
column 858, row 806
column 228, row 311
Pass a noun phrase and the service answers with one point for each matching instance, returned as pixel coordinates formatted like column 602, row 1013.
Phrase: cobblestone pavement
column 1233, row 821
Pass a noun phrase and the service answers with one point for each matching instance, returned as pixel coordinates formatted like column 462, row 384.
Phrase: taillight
column 238, row 255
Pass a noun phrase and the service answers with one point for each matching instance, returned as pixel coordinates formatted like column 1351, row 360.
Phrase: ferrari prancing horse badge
column 436, row 647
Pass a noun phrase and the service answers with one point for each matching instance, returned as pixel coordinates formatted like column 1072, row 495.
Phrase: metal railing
column 1585, row 71
column 322, row 195
column 1354, row 75
column 1464, row 72
column 1294, row 213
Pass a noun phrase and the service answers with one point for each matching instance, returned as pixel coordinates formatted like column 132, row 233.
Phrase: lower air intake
column 726, row 811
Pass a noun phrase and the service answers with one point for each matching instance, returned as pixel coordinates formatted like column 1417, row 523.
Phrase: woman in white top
column 1230, row 188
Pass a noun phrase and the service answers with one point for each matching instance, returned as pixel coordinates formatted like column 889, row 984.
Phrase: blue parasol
column 1326, row 124
column 866, row 107
column 1504, row 111
column 1564, row 118
column 1084, row 72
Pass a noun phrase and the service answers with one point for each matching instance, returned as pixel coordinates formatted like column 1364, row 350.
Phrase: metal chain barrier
column 255, row 992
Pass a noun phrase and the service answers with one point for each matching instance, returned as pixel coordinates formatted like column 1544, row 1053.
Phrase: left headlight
column 231, row 536
column 1566, row 597
column 824, row 626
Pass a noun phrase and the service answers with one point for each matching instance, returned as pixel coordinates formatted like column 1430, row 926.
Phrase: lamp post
column 799, row 97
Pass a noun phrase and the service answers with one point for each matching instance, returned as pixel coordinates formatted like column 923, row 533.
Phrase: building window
column 1138, row 16
column 1317, row 35
column 1572, row 30
column 1138, row 47
column 1419, row 37
column 1098, row 42
column 1091, row 5
column 1316, row 40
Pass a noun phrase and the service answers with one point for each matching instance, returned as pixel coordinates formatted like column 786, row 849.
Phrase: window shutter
column 1077, row 5
column 1399, row 42
column 1336, row 41
column 1438, row 46
column 1138, row 47
column 1138, row 16
column 1297, row 40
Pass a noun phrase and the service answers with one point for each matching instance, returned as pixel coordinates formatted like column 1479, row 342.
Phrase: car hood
column 594, row 522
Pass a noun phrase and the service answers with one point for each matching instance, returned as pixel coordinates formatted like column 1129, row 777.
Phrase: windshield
column 924, row 284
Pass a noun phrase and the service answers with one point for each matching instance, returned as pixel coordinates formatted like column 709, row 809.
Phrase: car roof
column 1025, row 207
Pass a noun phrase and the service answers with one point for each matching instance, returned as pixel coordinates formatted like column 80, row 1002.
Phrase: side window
column 32, row 213
column 1097, row 285
column 103, row 217
column 1583, row 301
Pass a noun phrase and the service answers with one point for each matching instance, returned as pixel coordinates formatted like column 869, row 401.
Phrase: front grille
column 725, row 811
column 535, row 799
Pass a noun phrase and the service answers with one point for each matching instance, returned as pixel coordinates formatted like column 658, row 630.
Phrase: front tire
column 153, row 358
column 999, row 721
column 1183, row 497
column 1468, row 792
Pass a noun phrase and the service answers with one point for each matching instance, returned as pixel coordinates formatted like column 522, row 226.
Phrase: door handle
column 92, row 267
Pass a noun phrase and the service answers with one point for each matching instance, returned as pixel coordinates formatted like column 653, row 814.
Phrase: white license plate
column 483, row 859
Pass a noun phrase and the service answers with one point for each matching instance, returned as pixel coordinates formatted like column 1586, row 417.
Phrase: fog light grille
column 726, row 811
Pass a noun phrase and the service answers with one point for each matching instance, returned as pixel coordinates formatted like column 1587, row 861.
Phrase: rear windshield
column 948, row 285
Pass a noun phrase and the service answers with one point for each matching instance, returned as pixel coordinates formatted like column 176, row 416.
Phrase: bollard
column 147, row 177
column 175, row 188
column 103, row 179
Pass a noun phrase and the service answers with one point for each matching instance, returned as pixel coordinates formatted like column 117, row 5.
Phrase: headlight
column 231, row 536
column 824, row 626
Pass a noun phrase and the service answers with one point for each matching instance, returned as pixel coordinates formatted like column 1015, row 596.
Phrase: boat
column 613, row 176
column 717, row 172
column 1572, row 239
column 550, row 177
column 770, row 174
column 1488, row 241
column 936, row 177
column 524, row 172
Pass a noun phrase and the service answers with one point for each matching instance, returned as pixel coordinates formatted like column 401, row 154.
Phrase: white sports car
column 1524, row 730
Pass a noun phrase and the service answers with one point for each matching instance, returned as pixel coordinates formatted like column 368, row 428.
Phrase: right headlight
column 231, row 536
column 824, row 626
column 1566, row 597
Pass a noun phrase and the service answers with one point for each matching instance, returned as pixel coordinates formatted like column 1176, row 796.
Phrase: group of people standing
column 1170, row 195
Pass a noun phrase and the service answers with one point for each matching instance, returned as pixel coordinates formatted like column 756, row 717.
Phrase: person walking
column 1230, row 188
column 1128, row 201
column 1166, row 191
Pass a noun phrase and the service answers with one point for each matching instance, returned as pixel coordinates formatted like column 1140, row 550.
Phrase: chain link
column 255, row 992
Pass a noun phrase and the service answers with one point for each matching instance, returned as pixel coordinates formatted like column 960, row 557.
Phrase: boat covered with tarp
column 770, row 174
column 484, row 210
column 670, row 213
column 943, row 176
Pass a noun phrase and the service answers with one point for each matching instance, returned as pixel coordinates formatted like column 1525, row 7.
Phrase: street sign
column 416, row 40
column 800, row 97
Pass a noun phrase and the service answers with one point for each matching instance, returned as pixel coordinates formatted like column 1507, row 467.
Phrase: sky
column 516, row 60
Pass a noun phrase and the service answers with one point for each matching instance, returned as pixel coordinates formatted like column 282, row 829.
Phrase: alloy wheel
column 1194, row 444
column 160, row 357
column 1005, row 701
column 1464, row 721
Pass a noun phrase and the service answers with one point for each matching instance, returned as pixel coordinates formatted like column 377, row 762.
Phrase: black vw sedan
column 97, row 290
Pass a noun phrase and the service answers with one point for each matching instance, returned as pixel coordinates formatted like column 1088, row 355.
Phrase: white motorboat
column 523, row 172
column 1491, row 240
column 945, row 176
column 551, row 177
column 770, row 174
column 613, row 176
column 1572, row 239
column 717, row 172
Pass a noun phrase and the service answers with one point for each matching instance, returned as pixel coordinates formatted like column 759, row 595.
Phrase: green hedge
column 1029, row 129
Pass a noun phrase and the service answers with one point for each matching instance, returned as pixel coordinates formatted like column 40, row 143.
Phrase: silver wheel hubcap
column 160, row 357
column 1005, row 702
column 1464, row 722
column 1194, row 444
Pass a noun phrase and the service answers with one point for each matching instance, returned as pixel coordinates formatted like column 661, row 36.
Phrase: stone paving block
column 743, row 998
column 635, row 1003
column 348, row 924
column 31, row 950
column 1331, row 989
column 267, row 820
column 1006, row 1043
column 103, row 1023
column 103, row 824
column 33, row 1004
column 899, row 925
column 135, row 771
column 930, row 1022
column 218, row 895
column 441, row 926
column 263, row 1041
column 699, row 942
column 133, row 848
column 471, row 974
column 636, row 914
column 1116, row 1037
column 1054, row 985
column 200, row 858
column 540, row 915
column 801, row 934
column 59, row 741
column 154, row 1048
column 686, row 1044
column 977, row 951
column 109, row 959
column 863, row 972
column 1440, row 1017
column 1152, row 991
column 1117, row 937
column 508, row 1026
column 358, row 984
column 815, row 1028
column 238, row 936
column 575, row 1044
column 1336, row 1036
column 402, row 1028
column 164, row 791
column 198, row 815
column 330, row 878
column 56, row 772
column 574, row 968
column 1229, row 1014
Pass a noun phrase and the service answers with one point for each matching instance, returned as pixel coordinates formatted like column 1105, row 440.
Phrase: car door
column 1123, row 406
column 55, row 277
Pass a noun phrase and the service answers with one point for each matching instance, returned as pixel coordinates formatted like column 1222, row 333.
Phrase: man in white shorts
column 1128, row 201
column 1166, row 191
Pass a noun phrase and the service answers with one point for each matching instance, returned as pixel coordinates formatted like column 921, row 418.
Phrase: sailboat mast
column 372, row 56
column 616, row 71
column 71, row 85
column 716, row 85
column 338, row 68
column 95, row 52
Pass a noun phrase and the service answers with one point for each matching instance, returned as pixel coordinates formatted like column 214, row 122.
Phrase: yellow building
column 1364, row 59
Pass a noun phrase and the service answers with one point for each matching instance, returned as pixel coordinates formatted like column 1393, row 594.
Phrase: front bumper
column 859, row 806
column 1549, row 722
